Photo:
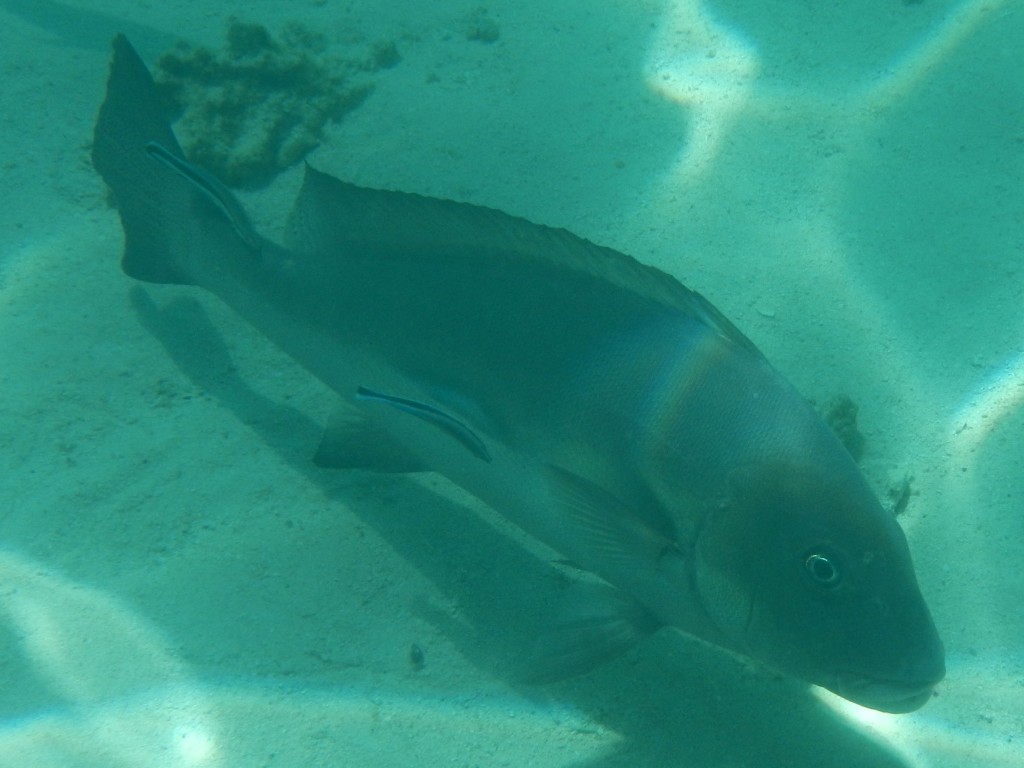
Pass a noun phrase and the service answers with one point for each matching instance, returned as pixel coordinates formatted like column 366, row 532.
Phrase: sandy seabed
column 180, row 586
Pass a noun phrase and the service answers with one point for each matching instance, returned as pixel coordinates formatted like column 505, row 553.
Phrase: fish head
column 803, row 569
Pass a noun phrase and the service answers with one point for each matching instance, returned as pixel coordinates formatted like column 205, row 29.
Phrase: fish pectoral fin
column 352, row 441
column 606, row 526
column 448, row 424
column 599, row 623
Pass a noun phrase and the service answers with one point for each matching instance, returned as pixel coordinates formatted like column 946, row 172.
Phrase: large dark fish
column 597, row 403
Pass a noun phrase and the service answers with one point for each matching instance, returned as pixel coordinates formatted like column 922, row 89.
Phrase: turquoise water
column 181, row 587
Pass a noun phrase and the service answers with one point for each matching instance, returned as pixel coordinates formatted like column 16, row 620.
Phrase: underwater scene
column 577, row 383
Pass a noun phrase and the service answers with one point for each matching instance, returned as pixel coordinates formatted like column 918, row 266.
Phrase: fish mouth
column 894, row 696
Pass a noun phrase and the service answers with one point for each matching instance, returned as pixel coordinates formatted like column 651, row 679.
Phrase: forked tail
column 172, row 212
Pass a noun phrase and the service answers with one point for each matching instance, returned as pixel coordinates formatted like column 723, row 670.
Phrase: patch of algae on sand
column 260, row 105
column 841, row 415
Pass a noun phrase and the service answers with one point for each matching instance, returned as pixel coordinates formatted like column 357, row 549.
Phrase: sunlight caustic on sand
column 917, row 737
column 92, row 650
column 713, row 73
column 710, row 70
column 998, row 394
column 921, row 58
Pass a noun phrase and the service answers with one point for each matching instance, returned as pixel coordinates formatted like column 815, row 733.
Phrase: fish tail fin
column 173, row 213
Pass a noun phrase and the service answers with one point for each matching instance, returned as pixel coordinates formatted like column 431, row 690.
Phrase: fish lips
column 893, row 696
column 906, row 691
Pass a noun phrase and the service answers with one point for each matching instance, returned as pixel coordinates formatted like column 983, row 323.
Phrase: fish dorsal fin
column 343, row 219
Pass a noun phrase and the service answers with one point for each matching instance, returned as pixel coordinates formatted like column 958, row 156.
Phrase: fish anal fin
column 445, row 422
column 598, row 623
column 352, row 441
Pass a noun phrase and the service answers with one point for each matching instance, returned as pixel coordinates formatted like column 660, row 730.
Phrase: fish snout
column 908, row 691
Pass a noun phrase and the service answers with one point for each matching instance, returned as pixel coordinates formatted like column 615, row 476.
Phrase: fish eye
column 823, row 569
